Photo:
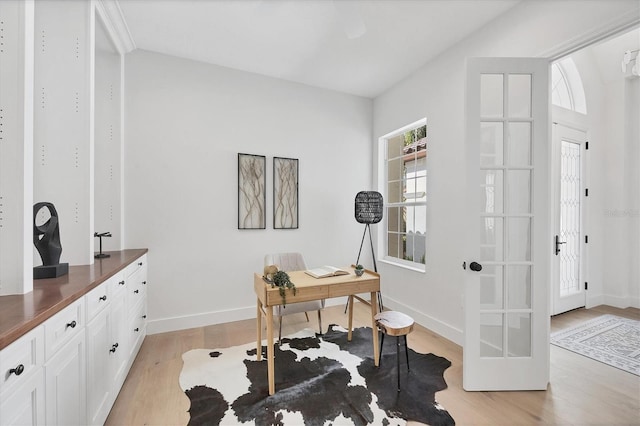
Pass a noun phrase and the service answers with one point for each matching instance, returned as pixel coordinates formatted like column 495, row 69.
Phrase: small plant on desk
column 359, row 270
column 282, row 280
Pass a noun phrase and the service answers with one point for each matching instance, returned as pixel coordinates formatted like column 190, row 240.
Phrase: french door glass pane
column 519, row 95
column 491, row 233
column 491, row 197
column 519, row 191
column 519, row 239
column 519, row 334
column 491, row 95
column 519, row 287
column 491, row 335
column 520, row 144
column 492, row 143
column 491, row 287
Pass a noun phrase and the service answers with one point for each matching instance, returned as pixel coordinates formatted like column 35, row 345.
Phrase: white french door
column 506, row 341
column 568, row 268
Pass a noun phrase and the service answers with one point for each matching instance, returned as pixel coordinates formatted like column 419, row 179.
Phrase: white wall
column 185, row 124
column 613, row 102
column 436, row 91
column 620, row 213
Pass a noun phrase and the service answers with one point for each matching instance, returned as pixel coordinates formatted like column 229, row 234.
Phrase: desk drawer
column 24, row 357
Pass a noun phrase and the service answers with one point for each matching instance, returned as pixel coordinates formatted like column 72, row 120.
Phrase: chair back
column 286, row 261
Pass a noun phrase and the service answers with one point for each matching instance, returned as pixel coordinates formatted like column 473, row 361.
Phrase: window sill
column 411, row 267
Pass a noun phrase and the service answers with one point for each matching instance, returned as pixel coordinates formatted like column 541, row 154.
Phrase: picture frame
column 252, row 191
column 285, row 193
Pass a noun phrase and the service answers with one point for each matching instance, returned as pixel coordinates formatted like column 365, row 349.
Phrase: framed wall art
column 285, row 193
column 251, row 191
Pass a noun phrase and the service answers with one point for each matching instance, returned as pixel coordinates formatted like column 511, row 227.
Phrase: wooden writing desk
column 309, row 288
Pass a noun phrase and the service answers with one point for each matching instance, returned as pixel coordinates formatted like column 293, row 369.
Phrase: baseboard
column 165, row 325
column 622, row 302
column 441, row 328
column 593, row 301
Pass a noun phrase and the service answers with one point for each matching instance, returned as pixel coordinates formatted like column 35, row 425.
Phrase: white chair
column 293, row 262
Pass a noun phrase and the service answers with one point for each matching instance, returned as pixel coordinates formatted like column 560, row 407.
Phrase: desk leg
column 259, row 331
column 350, row 303
column 270, row 354
column 374, row 327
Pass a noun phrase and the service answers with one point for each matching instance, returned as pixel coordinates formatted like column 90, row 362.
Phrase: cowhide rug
column 320, row 380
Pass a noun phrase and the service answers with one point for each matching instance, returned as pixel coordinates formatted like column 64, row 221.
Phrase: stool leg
column 380, row 352
column 398, row 359
column 406, row 351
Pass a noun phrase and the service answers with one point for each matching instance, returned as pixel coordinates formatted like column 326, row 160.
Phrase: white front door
column 568, row 267
column 506, row 340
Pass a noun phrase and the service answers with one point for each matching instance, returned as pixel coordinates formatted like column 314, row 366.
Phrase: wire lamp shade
column 369, row 207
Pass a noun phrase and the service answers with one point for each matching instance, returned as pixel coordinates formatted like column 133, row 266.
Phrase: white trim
column 622, row 302
column 608, row 29
column 116, row 26
column 401, row 263
column 164, row 325
column 381, row 234
column 441, row 328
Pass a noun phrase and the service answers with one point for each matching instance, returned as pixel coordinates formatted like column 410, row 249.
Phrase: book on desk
column 326, row 271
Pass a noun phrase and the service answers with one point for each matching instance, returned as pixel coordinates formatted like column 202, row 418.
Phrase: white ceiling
column 313, row 42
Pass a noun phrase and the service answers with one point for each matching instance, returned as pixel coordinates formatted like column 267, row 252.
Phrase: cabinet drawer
column 21, row 359
column 63, row 326
column 98, row 299
column 136, row 289
column 134, row 266
column 118, row 284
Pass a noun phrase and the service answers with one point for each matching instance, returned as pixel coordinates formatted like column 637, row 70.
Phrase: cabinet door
column 120, row 342
column 98, row 371
column 24, row 404
column 66, row 385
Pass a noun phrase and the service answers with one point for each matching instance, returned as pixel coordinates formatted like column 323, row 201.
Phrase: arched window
column 566, row 86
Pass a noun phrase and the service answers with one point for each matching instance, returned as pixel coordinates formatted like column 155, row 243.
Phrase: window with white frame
column 405, row 194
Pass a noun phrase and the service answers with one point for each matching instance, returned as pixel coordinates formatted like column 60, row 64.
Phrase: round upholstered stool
column 396, row 324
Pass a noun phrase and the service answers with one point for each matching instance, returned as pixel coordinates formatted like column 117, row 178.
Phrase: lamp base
column 101, row 255
column 50, row 271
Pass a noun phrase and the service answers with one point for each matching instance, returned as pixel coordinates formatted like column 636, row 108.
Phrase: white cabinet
column 22, row 394
column 69, row 370
column 116, row 326
column 136, row 302
column 65, row 379
column 65, row 368
column 107, row 346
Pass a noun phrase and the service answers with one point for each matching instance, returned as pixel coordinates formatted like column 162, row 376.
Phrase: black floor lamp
column 369, row 206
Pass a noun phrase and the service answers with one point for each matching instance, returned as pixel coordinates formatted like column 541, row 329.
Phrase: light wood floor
column 582, row 391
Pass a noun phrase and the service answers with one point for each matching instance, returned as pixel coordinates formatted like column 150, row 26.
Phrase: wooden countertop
column 21, row 313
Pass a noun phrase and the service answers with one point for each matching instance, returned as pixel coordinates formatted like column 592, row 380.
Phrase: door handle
column 558, row 242
column 474, row 266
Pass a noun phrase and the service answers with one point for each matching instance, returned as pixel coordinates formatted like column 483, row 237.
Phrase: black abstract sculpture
column 46, row 238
